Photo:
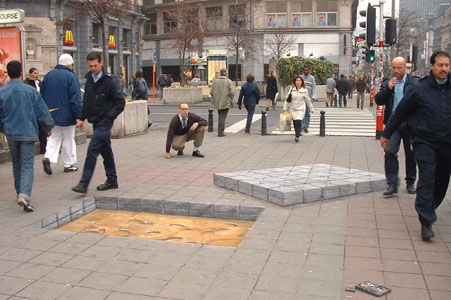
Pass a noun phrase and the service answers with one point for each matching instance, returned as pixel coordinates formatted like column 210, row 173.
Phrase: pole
column 392, row 48
column 153, row 85
column 210, row 120
column 372, row 86
column 264, row 131
column 322, row 124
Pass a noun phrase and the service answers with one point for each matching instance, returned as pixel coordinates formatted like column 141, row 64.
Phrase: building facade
column 315, row 28
column 53, row 27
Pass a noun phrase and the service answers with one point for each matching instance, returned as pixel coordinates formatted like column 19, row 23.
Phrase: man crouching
column 184, row 127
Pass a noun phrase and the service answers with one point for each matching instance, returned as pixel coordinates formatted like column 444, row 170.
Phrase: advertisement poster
column 10, row 49
column 214, row 64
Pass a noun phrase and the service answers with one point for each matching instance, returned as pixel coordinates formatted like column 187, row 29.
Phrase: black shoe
column 80, row 189
column 107, row 186
column 426, row 232
column 391, row 190
column 198, row 154
column 327, row 104
column 296, row 139
column 221, row 134
column 70, row 169
column 411, row 188
column 306, row 130
column 26, row 204
column 47, row 168
column 180, row 152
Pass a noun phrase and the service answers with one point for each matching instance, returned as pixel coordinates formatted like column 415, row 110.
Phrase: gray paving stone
column 78, row 292
column 12, row 285
column 152, row 202
column 226, row 208
column 152, row 209
column 142, row 286
column 180, row 205
column 201, row 213
column 105, row 281
column 200, row 206
column 176, row 212
column 66, row 276
column 42, row 290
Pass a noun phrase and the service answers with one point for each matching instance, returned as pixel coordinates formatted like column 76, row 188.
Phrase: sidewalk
column 309, row 251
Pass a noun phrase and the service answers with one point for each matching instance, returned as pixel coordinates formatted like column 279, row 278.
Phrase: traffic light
column 414, row 57
column 390, row 31
column 365, row 55
column 371, row 56
column 370, row 24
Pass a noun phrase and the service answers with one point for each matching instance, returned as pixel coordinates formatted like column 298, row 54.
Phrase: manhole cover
column 162, row 227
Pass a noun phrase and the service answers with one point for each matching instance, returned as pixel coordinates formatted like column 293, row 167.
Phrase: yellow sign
column 68, row 38
column 112, row 42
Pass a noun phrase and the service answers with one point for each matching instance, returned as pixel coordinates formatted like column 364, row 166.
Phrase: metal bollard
column 322, row 124
column 210, row 120
column 264, row 132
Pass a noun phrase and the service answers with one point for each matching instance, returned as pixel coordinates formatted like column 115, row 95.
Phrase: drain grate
column 162, row 227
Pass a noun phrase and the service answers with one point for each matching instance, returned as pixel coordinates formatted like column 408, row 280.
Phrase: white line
column 241, row 124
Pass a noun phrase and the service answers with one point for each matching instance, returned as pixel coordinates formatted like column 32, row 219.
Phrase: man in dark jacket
column 427, row 106
column 342, row 88
column 390, row 95
column 102, row 103
column 251, row 95
column 140, row 88
column 271, row 92
column 61, row 92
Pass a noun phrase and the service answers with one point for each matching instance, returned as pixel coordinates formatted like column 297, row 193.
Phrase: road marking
column 240, row 125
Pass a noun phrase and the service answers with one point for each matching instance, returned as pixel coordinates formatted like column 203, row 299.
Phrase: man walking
column 140, row 89
column 310, row 84
column 271, row 91
column 330, row 90
column 351, row 86
column 392, row 92
column 222, row 94
column 360, row 86
column 427, row 107
column 163, row 81
column 61, row 92
column 21, row 109
column 185, row 126
column 102, row 103
column 342, row 88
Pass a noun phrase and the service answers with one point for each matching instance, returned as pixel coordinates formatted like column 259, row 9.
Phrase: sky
column 363, row 4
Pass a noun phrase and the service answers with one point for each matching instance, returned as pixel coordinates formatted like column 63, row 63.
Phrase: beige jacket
column 299, row 99
column 222, row 93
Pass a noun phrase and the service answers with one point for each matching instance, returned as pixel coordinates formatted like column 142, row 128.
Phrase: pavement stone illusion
column 301, row 184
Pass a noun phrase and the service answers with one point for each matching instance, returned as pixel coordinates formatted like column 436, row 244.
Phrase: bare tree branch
column 278, row 44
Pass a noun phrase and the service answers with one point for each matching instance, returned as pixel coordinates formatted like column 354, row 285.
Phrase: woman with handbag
column 296, row 102
column 251, row 94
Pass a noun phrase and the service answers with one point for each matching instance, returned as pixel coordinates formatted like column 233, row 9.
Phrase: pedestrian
column 163, row 82
column 251, row 94
column 222, row 94
column 330, row 90
column 21, row 109
column 33, row 80
column 271, row 91
column 140, row 91
column 351, row 86
column 310, row 85
column 103, row 101
column 390, row 95
column 360, row 86
column 342, row 88
column 368, row 83
column 131, row 84
column 60, row 90
column 185, row 126
column 427, row 108
column 123, row 83
column 297, row 101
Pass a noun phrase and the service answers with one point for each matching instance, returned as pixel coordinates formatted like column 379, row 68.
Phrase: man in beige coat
column 222, row 94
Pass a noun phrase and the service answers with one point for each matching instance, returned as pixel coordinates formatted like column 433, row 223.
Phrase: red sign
column 10, row 49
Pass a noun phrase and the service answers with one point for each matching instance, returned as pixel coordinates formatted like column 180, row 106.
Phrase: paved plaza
column 308, row 251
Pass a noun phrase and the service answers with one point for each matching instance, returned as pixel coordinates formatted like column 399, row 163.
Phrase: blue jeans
column 100, row 144
column 22, row 155
column 306, row 120
column 250, row 114
column 391, row 157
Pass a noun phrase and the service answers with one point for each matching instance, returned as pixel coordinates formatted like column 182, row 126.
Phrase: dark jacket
column 175, row 127
column 360, row 85
column 386, row 96
column 103, row 99
column 271, row 87
column 60, row 90
column 427, row 106
column 342, row 86
column 250, row 92
column 31, row 82
column 140, row 89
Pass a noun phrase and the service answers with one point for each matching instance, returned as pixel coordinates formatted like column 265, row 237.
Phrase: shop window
column 326, row 19
column 276, row 20
column 301, row 19
column 214, row 17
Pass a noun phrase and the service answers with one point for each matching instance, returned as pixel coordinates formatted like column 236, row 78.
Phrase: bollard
column 322, row 124
column 264, row 132
column 335, row 100
column 379, row 121
column 210, row 120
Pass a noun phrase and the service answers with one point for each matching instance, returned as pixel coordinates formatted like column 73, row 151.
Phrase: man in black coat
column 390, row 95
column 342, row 88
column 427, row 106
column 103, row 101
column 271, row 91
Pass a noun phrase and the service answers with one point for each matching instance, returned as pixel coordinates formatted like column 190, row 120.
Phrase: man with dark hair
column 390, row 95
column 21, row 109
column 222, row 94
column 427, row 108
column 185, row 126
column 310, row 85
column 140, row 88
column 103, row 101
column 342, row 88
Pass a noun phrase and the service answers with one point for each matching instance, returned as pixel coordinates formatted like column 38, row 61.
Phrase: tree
column 289, row 68
column 188, row 32
column 279, row 44
column 99, row 11
column 408, row 29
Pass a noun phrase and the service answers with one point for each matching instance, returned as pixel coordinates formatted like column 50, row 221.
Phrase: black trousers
column 340, row 96
column 222, row 116
column 434, row 166
column 42, row 140
column 297, row 127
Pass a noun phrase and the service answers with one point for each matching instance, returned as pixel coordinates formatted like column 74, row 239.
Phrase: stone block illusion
column 301, row 184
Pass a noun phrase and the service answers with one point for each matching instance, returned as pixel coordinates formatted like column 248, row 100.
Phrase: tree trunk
column 236, row 67
column 105, row 46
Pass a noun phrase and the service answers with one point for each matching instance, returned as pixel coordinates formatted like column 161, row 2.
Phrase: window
column 301, row 19
column 151, row 26
column 96, row 32
column 126, row 39
column 214, row 17
column 327, row 13
column 232, row 68
column 169, row 23
column 236, row 15
column 276, row 20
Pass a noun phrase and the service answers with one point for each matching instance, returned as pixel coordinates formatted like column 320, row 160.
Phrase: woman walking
column 296, row 101
column 251, row 94
column 271, row 91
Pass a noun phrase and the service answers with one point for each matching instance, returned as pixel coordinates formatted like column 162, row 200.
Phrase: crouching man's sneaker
column 70, row 169
column 426, row 232
column 24, row 202
column 107, row 186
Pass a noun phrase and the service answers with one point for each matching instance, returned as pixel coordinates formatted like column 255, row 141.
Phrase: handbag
column 289, row 96
column 285, row 121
